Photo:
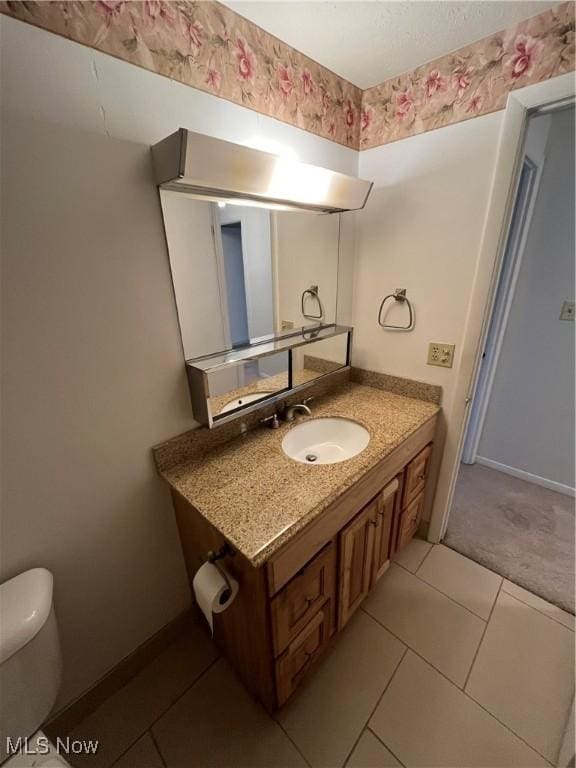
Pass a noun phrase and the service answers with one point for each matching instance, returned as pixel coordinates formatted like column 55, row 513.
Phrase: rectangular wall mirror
column 242, row 272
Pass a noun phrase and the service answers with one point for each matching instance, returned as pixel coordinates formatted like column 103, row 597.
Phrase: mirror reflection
column 232, row 388
column 319, row 358
column 241, row 273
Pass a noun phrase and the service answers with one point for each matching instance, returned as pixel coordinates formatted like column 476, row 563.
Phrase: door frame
column 495, row 233
column 504, row 295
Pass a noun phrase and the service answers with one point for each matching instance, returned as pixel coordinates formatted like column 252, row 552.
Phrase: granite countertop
column 259, row 498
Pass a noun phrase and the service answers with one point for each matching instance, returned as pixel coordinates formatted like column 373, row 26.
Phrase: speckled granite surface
column 258, row 498
column 408, row 387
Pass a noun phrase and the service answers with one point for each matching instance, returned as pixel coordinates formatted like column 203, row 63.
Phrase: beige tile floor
column 446, row 664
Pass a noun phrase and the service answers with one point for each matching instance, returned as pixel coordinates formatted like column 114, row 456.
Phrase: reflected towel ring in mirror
column 312, row 291
column 398, row 295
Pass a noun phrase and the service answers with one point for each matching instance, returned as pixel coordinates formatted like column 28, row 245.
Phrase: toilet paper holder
column 213, row 557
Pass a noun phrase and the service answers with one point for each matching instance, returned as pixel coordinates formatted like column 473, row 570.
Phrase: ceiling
column 368, row 42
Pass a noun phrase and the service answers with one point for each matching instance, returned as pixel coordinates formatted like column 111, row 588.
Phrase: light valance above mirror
column 212, row 169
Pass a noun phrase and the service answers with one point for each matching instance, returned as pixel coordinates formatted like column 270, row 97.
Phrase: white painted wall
column 421, row 230
column 92, row 358
column 529, row 423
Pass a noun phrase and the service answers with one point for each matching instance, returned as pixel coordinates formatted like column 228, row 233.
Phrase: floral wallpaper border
column 209, row 47
column 470, row 82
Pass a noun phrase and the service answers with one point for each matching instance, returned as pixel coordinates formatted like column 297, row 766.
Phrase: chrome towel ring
column 398, row 295
column 312, row 291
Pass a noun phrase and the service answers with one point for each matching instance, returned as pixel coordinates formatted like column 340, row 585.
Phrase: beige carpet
column 522, row 531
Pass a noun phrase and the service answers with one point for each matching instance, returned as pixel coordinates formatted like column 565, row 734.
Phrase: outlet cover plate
column 567, row 311
column 440, row 354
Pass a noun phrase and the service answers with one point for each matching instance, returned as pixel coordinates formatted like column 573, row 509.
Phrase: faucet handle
column 307, row 400
column 271, row 421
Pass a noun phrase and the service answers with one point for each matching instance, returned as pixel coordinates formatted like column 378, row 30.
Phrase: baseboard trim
column 64, row 721
column 552, row 485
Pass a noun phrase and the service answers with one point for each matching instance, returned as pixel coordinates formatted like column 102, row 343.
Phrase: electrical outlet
column 440, row 354
column 567, row 311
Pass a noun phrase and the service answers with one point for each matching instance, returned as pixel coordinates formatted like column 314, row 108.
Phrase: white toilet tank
column 30, row 661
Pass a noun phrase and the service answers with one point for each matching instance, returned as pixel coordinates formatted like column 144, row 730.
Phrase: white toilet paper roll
column 212, row 591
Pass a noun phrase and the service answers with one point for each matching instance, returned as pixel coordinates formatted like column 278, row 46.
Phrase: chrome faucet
column 290, row 412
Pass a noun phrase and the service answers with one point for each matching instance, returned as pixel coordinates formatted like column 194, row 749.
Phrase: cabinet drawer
column 416, row 473
column 302, row 597
column 302, row 652
column 410, row 520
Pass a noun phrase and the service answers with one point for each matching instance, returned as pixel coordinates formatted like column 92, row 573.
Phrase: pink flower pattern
column 434, row 83
column 472, row 81
column 404, row 104
column 159, row 11
column 110, row 8
column 366, row 118
column 245, row 59
column 285, row 82
column 461, row 79
column 526, row 52
column 475, row 104
column 307, row 82
column 213, row 79
column 195, row 33
column 350, row 114
column 208, row 46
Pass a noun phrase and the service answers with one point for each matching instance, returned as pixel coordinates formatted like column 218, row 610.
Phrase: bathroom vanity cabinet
column 289, row 609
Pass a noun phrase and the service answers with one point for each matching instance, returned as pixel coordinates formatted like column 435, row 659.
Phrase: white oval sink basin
column 238, row 402
column 325, row 441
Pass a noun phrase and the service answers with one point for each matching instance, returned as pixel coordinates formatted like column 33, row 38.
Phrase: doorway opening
column 513, row 506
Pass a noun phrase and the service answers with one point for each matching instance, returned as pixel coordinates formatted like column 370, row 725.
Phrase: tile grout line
column 375, row 707
column 290, row 739
column 451, row 598
column 444, row 675
column 161, row 715
column 503, row 588
column 196, row 680
column 529, row 605
column 482, row 638
column 157, row 746
column 482, row 707
column 385, row 745
column 425, row 556
column 397, row 562
column 465, row 692
column 422, row 581
column 507, row 728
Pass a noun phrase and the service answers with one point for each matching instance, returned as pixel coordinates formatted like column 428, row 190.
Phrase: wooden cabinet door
column 356, row 552
column 410, row 520
column 387, row 510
